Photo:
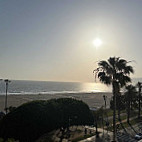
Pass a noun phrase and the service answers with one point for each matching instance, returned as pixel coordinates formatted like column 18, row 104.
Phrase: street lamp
column 6, row 89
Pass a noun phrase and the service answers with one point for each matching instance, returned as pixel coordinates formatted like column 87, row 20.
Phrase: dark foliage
column 120, row 103
column 114, row 69
column 33, row 119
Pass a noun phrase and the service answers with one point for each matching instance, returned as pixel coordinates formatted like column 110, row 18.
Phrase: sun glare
column 97, row 42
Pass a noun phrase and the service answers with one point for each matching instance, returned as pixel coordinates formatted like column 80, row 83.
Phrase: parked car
column 138, row 136
column 2, row 114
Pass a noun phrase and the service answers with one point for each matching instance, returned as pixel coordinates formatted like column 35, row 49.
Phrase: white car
column 138, row 136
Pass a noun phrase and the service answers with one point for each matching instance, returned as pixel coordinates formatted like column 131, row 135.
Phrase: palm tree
column 120, row 105
column 139, row 98
column 129, row 95
column 115, row 71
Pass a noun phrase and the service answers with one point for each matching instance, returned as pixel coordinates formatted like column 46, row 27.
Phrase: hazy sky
column 52, row 39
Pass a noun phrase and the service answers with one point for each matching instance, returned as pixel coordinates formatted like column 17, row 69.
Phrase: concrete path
column 103, row 137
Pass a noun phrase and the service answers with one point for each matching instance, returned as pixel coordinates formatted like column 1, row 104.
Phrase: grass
column 123, row 117
column 8, row 140
column 125, row 124
column 109, row 112
column 132, row 122
column 78, row 134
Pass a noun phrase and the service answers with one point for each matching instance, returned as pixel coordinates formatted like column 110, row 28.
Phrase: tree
column 139, row 98
column 115, row 71
column 33, row 119
column 129, row 97
column 120, row 104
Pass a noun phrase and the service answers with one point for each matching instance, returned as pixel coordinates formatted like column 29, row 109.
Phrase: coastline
column 94, row 100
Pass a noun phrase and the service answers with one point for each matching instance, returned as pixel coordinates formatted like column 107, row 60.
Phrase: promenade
column 123, row 135
column 104, row 136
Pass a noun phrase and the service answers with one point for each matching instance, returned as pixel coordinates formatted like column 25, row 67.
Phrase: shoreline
column 94, row 99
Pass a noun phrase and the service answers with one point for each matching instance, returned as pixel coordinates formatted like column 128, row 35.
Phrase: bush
column 8, row 140
column 33, row 119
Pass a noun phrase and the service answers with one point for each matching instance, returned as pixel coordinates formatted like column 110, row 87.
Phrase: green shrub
column 1, row 140
column 8, row 140
column 33, row 119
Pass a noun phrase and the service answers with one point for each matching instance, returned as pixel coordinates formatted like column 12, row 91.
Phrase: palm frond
column 121, row 64
column 128, row 69
column 103, row 64
column 112, row 61
column 115, row 68
column 122, row 61
column 131, row 88
column 101, row 74
column 126, row 79
column 105, row 79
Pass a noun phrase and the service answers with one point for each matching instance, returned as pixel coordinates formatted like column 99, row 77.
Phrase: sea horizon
column 23, row 87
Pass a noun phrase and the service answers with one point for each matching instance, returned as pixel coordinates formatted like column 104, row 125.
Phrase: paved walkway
column 103, row 137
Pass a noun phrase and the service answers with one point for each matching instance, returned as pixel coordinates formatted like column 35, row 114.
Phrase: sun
column 97, row 42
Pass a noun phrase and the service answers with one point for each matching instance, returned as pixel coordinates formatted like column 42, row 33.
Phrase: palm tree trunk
column 131, row 104
column 139, row 111
column 128, row 106
column 118, row 107
column 128, row 112
column 6, row 98
column 139, row 99
column 114, row 112
column 119, row 114
column 128, row 116
column 97, row 131
column 114, row 119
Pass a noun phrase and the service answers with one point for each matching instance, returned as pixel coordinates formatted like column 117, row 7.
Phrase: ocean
column 50, row 87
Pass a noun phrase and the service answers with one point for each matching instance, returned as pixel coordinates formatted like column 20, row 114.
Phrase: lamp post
column 6, row 89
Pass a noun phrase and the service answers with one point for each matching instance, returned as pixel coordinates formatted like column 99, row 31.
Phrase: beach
column 94, row 100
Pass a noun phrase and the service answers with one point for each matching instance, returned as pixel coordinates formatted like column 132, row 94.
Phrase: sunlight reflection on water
column 95, row 87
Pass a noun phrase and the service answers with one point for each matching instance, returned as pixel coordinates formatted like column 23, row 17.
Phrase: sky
column 52, row 40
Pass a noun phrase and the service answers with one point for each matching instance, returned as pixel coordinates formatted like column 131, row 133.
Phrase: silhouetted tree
column 33, row 119
column 115, row 71
column 139, row 98
column 120, row 104
column 129, row 96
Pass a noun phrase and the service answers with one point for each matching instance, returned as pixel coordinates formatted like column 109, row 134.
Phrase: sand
column 94, row 100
